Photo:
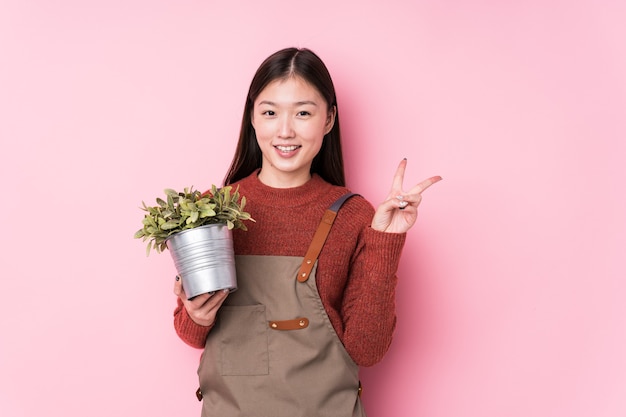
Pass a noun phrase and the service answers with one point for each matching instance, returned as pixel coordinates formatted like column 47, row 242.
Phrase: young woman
column 316, row 295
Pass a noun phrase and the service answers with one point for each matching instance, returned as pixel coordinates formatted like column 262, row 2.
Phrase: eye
column 304, row 113
column 268, row 113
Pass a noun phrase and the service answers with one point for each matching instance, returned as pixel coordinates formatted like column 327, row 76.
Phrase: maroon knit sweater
column 356, row 274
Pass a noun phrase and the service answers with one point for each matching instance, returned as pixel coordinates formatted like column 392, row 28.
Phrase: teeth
column 287, row 148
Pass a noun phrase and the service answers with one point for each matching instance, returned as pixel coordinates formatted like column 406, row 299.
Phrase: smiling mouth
column 287, row 148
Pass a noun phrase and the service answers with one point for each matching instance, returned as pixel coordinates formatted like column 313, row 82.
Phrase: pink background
column 511, row 294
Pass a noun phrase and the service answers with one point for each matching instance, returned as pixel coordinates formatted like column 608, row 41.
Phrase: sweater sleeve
column 368, row 308
column 189, row 331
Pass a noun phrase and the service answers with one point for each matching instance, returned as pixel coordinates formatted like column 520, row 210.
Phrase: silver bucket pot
column 204, row 259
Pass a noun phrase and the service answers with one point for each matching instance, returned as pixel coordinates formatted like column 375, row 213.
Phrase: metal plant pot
column 204, row 259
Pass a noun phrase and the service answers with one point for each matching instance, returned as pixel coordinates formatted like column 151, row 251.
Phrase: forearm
column 368, row 309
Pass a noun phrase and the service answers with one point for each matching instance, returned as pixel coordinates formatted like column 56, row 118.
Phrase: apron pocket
column 244, row 347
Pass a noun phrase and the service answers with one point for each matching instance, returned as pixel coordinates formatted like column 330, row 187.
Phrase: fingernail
column 225, row 290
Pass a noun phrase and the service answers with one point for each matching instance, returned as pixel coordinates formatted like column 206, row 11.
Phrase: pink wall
column 512, row 284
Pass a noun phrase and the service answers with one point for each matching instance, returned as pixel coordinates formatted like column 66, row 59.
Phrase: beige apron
column 273, row 351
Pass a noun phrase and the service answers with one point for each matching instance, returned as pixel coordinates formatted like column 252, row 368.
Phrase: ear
column 330, row 120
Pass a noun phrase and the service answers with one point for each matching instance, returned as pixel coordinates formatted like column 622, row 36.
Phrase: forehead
column 289, row 90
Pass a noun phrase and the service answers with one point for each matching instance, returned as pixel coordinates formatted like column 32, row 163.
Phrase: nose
column 285, row 128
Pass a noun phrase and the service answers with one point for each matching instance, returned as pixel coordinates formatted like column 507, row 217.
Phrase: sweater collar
column 306, row 193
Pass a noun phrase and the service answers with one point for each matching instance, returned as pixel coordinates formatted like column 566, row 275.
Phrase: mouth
column 287, row 149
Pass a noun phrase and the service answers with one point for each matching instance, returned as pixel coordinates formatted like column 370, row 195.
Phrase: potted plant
column 197, row 229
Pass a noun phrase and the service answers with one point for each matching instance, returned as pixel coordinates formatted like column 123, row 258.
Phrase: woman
column 310, row 309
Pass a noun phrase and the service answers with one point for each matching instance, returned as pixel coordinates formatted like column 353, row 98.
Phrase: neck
column 286, row 180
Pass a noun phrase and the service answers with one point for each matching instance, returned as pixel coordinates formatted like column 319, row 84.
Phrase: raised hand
column 398, row 213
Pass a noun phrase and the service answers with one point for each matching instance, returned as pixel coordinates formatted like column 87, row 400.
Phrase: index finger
column 398, row 178
column 419, row 188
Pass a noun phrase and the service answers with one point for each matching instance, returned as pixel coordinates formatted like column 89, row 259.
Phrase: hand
column 203, row 308
column 397, row 214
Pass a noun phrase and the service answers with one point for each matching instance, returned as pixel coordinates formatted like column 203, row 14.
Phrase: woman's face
column 290, row 118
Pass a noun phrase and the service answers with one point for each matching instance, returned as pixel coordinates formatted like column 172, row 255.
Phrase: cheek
column 323, row 130
column 259, row 126
column 260, row 130
column 262, row 135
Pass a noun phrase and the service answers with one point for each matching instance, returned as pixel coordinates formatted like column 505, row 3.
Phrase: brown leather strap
column 320, row 237
column 294, row 324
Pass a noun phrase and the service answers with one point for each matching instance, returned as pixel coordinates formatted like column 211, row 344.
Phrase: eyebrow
column 297, row 103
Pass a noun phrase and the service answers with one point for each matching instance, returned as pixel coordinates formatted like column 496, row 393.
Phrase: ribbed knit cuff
column 388, row 244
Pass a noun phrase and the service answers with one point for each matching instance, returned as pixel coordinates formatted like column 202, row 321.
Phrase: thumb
column 178, row 287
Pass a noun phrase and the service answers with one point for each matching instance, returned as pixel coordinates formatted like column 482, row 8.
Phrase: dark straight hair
column 290, row 62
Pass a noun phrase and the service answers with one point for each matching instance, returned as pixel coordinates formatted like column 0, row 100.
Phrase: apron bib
column 273, row 351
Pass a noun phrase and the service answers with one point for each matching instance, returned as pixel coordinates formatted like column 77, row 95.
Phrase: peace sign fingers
column 398, row 212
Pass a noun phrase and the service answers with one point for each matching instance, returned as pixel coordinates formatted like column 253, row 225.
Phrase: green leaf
column 170, row 224
column 207, row 212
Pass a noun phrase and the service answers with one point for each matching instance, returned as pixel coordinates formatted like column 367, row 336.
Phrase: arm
column 368, row 308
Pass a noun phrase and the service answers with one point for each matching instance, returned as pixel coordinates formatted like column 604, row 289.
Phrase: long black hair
column 289, row 62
